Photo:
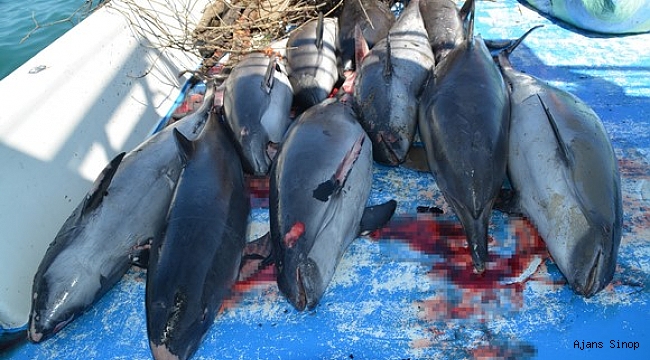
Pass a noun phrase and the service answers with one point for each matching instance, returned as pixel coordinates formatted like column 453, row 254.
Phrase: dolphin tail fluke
column 374, row 217
column 185, row 146
column 100, row 187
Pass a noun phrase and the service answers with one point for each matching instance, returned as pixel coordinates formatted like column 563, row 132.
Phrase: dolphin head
column 65, row 284
column 57, row 298
column 46, row 318
column 256, row 152
column 591, row 262
column 301, row 263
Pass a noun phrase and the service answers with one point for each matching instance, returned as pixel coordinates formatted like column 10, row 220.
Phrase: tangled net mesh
column 236, row 27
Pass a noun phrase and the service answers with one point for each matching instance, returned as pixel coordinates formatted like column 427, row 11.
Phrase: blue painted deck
column 415, row 297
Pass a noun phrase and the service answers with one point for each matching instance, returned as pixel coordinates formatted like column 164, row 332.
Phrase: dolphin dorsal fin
column 320, row 29
column 467, row 7
column 565, row 152
column 388, row 65
column 185, row 146
column 100, row 187
column 468, row 20
column 269, row 76
column 361, row 47
column 334, row 184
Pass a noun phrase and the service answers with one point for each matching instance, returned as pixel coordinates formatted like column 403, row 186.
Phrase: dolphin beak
column 394, row 158
column 161, row 352
column 300, row 301
column 592, row 282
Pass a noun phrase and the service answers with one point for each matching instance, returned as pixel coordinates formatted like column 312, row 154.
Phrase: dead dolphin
column 445, row 24
column 388, row 84
column 122, row 212
column 600, row 16
column 319, row 186
column 463, row 123
column 311, row 60
column 196, row 258
column 257, row 104
column 374, row 19
column 565, row 178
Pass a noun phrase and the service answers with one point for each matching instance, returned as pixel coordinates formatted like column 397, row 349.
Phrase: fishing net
column 235, row 27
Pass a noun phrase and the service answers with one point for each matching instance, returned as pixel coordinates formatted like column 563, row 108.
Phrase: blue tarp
column 408, row 292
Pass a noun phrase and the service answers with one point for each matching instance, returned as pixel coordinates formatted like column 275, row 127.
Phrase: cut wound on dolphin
column 292, row 236
column 337, row 181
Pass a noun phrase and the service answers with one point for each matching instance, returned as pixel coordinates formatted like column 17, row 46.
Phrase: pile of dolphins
column 178, row 203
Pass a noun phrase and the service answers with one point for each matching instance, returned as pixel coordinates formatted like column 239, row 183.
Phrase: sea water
column 27, row 27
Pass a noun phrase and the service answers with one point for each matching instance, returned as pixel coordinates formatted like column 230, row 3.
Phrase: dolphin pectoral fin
column 185, row 146
column 100, row 187
column 256, row 255
column 374, row 217
column 416, row 159
column 334, row 184
column 565, row 152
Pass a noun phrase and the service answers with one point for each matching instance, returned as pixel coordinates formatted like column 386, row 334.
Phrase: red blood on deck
column 446, row 238
column 259, row 191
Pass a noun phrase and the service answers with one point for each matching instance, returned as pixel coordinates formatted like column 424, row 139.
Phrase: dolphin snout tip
column 311, row 283
column 305, row 289
column 161, row 352
column 34, row 336
column 599, row 274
